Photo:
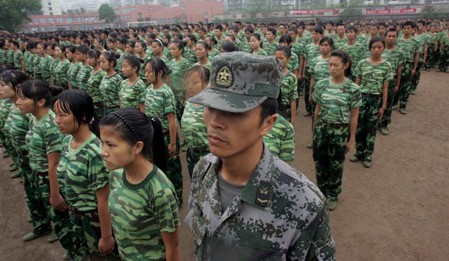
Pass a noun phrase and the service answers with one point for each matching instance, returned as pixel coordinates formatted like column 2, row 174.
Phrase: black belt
column 335, row 125
column 375, row 96
column 75, row 212
column 42, row 174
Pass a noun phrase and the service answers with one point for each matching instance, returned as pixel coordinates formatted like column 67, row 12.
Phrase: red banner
column 391, row 11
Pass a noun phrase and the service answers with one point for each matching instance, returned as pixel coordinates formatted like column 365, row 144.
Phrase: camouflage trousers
column 329, row 149
column 386, row 119
column 415, row 79
column 406, row 85
column 368, row 122
column 432, row 57
column 174, row 168
column 444, row 59
column 306, row 88
column 193, row 155
column 61, row 220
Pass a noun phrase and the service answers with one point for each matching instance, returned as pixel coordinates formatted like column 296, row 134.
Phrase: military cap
column 240, row 82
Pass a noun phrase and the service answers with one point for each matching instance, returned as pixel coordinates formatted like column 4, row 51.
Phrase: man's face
column 341, row 30
column 231, row 135
column 408, row 30
column 269, row 36
column 391, row 38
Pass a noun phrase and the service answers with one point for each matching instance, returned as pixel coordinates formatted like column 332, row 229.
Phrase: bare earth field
column 396, row 210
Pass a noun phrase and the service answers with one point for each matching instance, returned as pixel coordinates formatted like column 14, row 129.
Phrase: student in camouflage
column 211, row 41
column 337, row 109
column 178, row 69
column 83, row 177
column 93, row 86
column 140, row 48
column 74, row 67
column 202, row 54
column 60, row 71
column 158, row 50
column 29, row 55
column 193, row 128
column 44, row 142
column 85, row 70
column 289, row 94
column 410, row 46
column 5, row 106
column 280, row 140
column 142, row 200
column 293, row 64
column 160, row 102
column 241, row 188
column 132, row 89
column 110, row 84
column 45, row 64
column 19, row 62
column 256, row 45
column 395, row 57
column 271, row 44
column 444, row 52
column 373, row 77
column 354, row 49
column 423, row 40
column 189, row 49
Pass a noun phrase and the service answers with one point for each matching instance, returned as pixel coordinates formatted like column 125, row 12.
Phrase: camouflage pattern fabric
column 386, row 119
column 279, row 215
column 160, row 102
column 18, row 57
column 37, row 69
column 43, row 138
column 367, row 126
column 208, row 65
column 288, row 94
column 140, row 212
column 29, row 57
column 339, row 42
column 3, row 58
column 395, row 57
column 270, row 47
column 409, row 47
column 213, row 53
column 416, row 77
column 60, row 73
column 83, row 76
column 10, row 56
column 319, row 68
column 132, row 95
column 109, row 92
column 329, row 149
column 45, row 68
column 72, row 73
column 355, row 52
column 93, row 85
column 53, row 65
column 405, row 88
column 444, row 54
column 190, row 55
column 178, row 70
column 174, row 168
column 194, row 132
column 373, row 77
column 281, row 140
column 5, row 106
column 311, row 51
column 260, row 52
column 293, row 64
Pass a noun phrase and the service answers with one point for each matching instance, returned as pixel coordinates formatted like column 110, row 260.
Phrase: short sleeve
column 356, row 99
column 53, row 139
column 98, row 173
column 166, row 210
column 169, row 102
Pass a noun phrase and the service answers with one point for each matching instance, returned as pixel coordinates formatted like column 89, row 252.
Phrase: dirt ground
column 396, row 210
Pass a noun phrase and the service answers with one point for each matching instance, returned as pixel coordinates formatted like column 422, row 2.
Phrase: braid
column 129, row 126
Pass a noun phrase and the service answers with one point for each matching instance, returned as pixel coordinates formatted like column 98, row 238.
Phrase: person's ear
column 268, row 123
column 138, row 147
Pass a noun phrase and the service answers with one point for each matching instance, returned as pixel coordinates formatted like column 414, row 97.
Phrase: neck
column 204, row 60
column 326, row 55
column 85, row 63
column 239, row 168
column 178, row 58
column 132, row 78
column 97, row 68
column 111, row 71
column 138, row 169
column 376, row 58
column 82, row 134
column 40, row 112
column 351, row 41
column 407, row 36
column 158, row 84
column 338, row 79
column 284, row 70
column 390, row 46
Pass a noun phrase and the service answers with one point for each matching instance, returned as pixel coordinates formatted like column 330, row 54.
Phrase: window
column 51, row 20
column 68, row 20
column 35, row 20
column 51, row 13
column 49, row 3
column 42, row 20
column 59, row 20
column 50, row 9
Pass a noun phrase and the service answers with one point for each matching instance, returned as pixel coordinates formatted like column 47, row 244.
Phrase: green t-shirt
column 190, row 55
column 43, row 138
column 409, row 47
column 270, row 48
column 37, row 69
column 281, row 140
column 83, row 76
column 339, row 42
column 289, row 89
column 3, row 57
column 319, row 68
column 261, row 52
column 193, row 127
column 356, row 53
column 72, row 73
column 311, row 51
column 140, row 213
column 395, row 57
column 178, row 71
column 82, row 172
column 132, row 95
column 109, row 92
column 16, row 128
column 45, row 68
column 372, row 76
column 60, row 73
column 18, row 57
column 93, row 85
column 293, row 64
column 337, row 100
column 159, row 102
column 54, row 63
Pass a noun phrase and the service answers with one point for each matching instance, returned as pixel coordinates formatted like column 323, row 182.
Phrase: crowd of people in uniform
column 91, row 121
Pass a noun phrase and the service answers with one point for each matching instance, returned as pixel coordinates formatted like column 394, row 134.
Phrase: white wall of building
column 51, row 7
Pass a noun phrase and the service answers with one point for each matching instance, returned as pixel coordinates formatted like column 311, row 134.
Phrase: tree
column 106, row 13
column 14, row 13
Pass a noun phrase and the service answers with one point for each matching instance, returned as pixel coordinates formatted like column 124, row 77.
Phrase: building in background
column 51, row 7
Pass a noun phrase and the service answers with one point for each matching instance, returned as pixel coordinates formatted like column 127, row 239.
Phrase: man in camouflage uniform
column 244, row 203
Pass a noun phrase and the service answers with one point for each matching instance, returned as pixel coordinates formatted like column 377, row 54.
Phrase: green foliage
column 106, row 13
column 13, row 13
column 429, row 12
column 351, row 13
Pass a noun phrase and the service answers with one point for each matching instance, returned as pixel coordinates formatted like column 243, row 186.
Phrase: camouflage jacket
column 279, row 215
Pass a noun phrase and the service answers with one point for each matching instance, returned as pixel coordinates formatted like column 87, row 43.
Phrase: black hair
column 391, row 30
column 71, row 48
column 179, row 44
column 257, row 36
column 272, row 30
column 203, row 71
column 133, row 61
column 268, row 108
column 203, row 43
column 132, row 126
column 375, row 40
column 229, row 47
column 213, row 40
column 157, row 65
column 345, row 58
column 159, row 42
column 15, row 43
column 192, row 38
column 318, row 29
column 328, row 40
column 352, row 28
column 249, row 30
column 62, row 48
column 82, row 49
column 38, row 90
column 284, row 49
column 110, row 57
column 78, row 103
column 131, row 43
column 286, row 38
column 142, row 43
column 94, row 53
column 13, row 78
column 408, row 23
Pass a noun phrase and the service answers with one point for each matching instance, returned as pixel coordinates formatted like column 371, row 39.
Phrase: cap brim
column 227, row 101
